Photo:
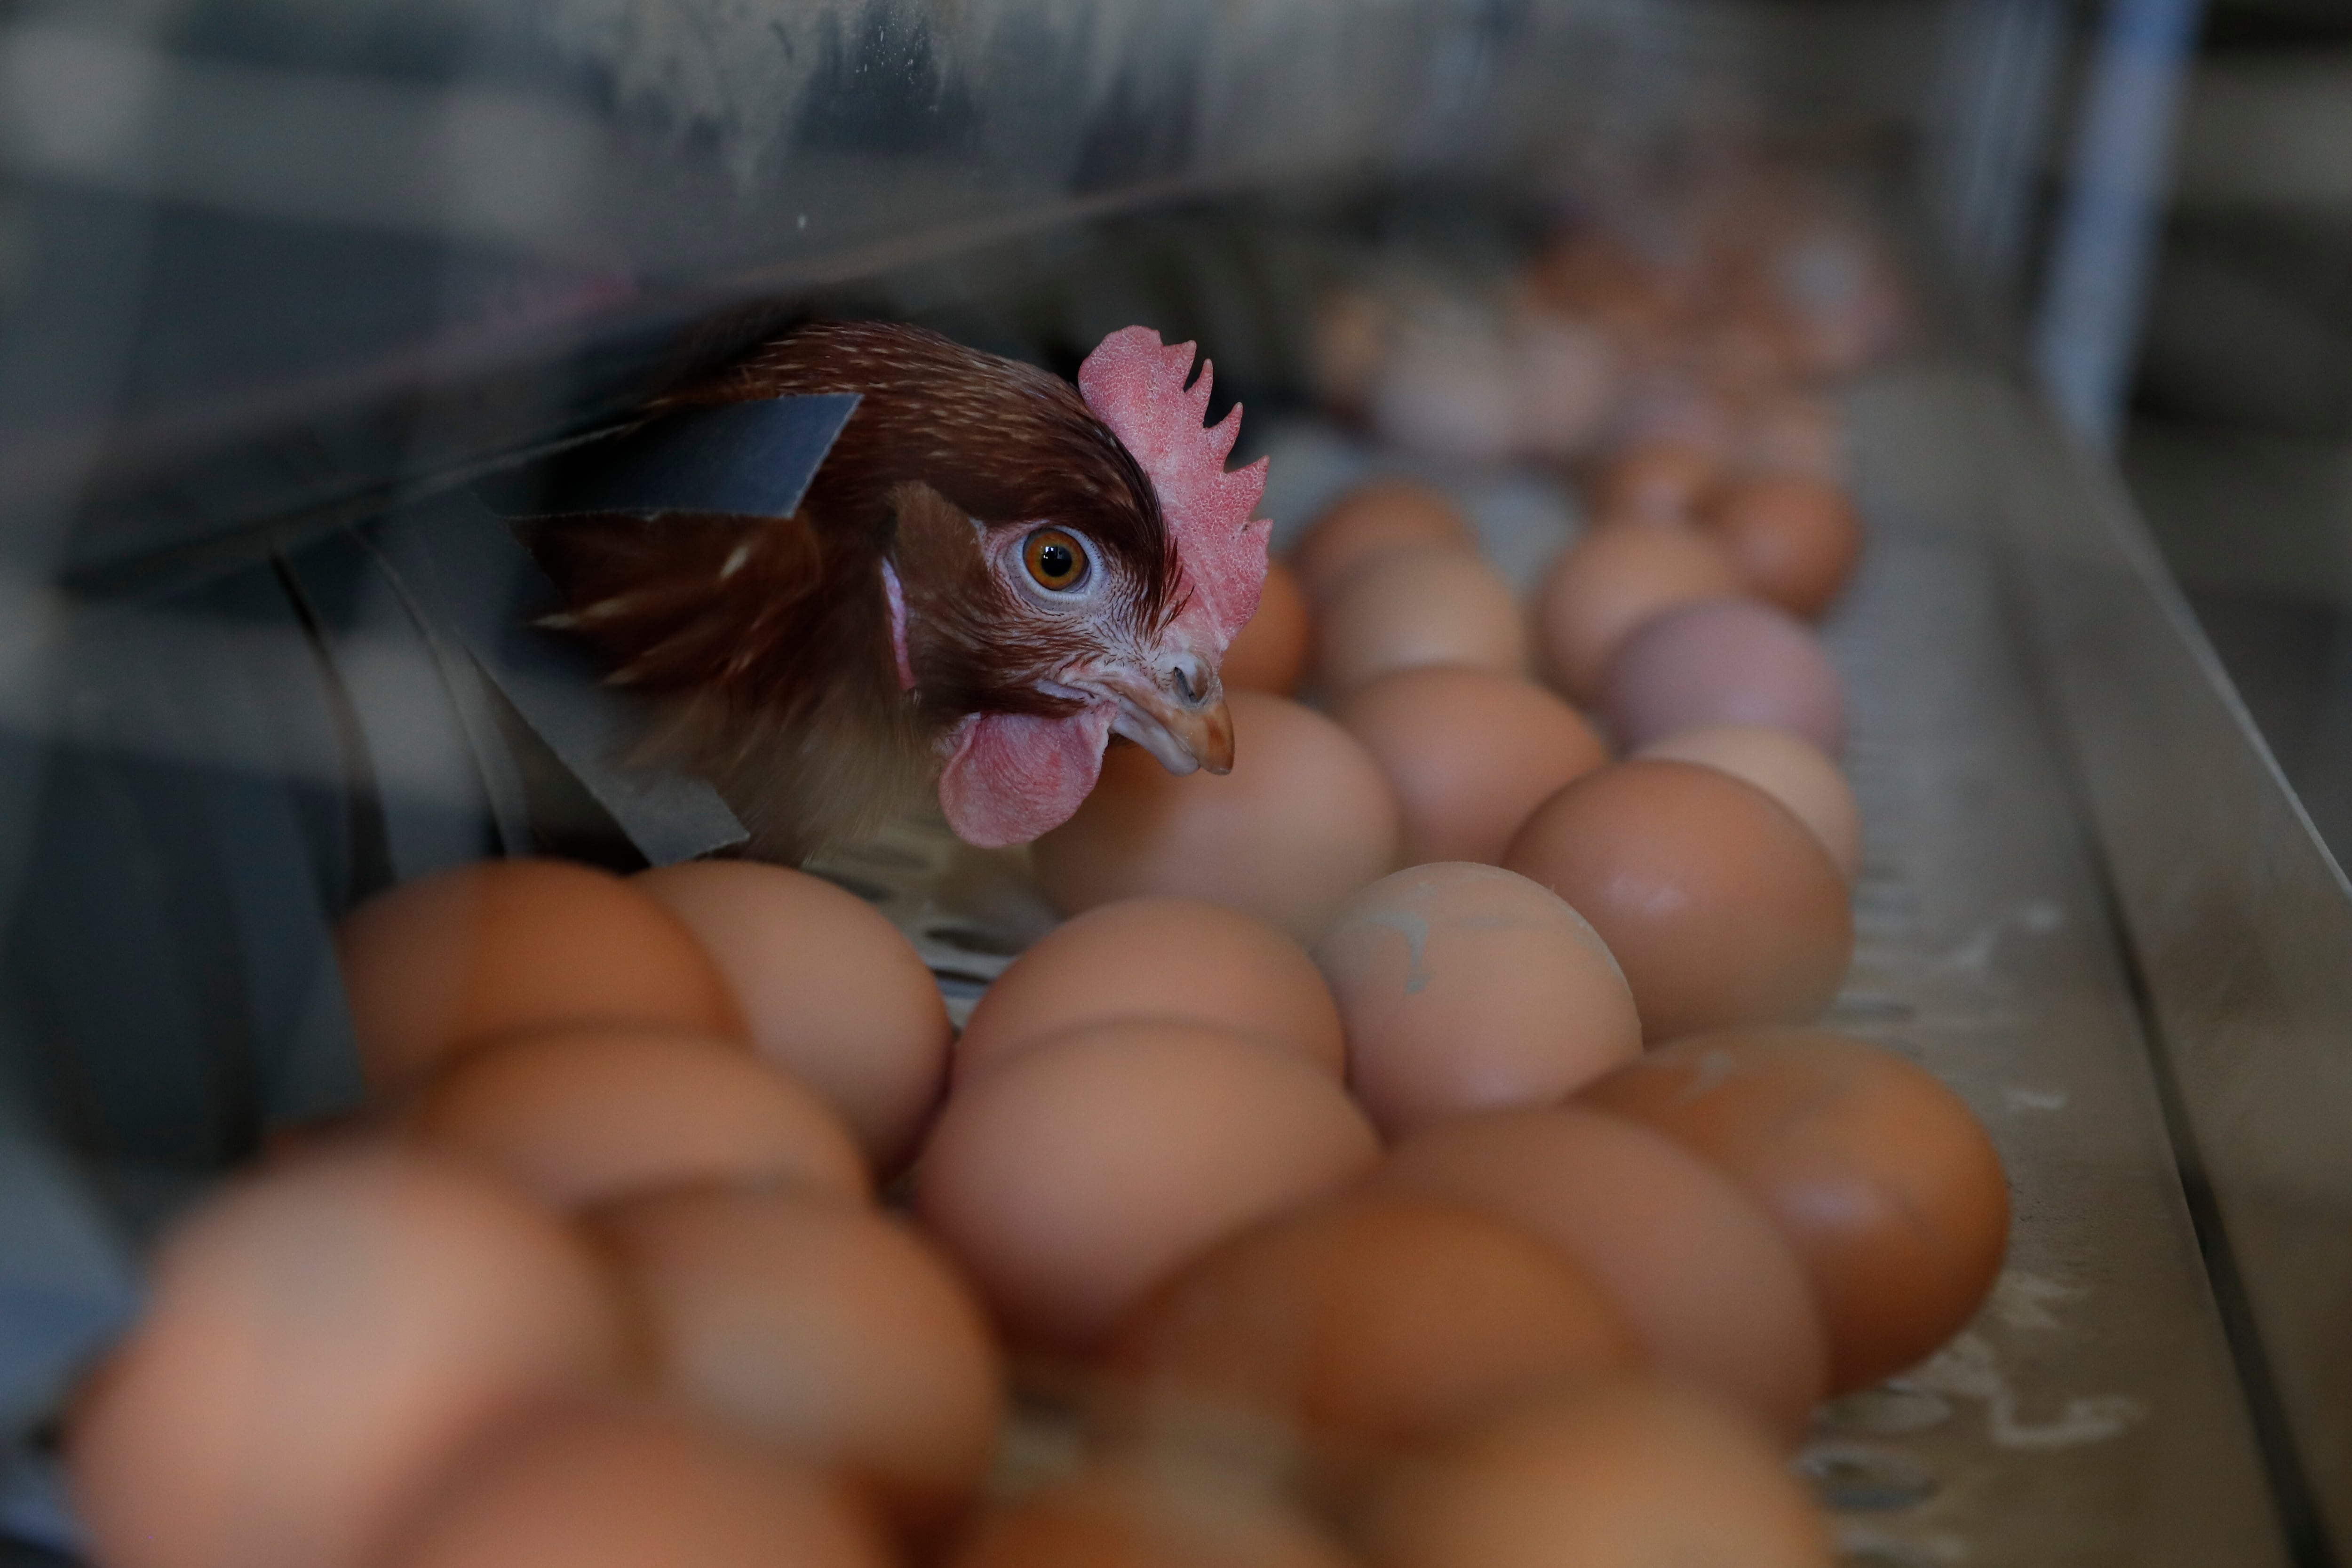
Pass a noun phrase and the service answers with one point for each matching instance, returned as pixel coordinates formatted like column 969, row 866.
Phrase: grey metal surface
column 2097, row 1418
column 2242, row 922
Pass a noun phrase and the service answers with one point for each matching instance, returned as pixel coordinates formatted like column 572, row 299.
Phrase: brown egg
column 1136, row 1513
column 1719, row 905
column 1609, row 581
column 1702, row 1275
column 1724, row 661
column 1565, row 377
column 622, row 1487
column 1270, row 652
column 1081, row 1173
column 317, row 1342
column 1415, row 607
column 579, row 1116
column 1784, row 766
column 1796, row 539
column 1468, row 988
column 1352, row 329
column 1377, row 1319
column 1881, row 1180
column 835, row 994
column 1657, row 480
column 1793, row 434
column 1618, row 1472
column 1304, row 820
column 832, row 1329
column 1376, row 517
column 1169, row 958
column 505, row 946
column 1469, row 754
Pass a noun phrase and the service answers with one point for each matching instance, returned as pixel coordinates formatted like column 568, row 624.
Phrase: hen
column 991, row 573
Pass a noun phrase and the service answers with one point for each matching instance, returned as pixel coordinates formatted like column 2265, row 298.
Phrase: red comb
column 1135, row 384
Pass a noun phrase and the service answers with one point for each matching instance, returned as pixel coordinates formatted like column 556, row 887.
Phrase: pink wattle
column 1010, row 777
column 1135, row 384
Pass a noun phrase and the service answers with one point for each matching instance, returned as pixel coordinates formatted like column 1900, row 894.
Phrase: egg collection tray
column 2092, row 1415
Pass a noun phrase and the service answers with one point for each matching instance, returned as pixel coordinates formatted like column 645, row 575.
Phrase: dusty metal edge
column 2240, row 925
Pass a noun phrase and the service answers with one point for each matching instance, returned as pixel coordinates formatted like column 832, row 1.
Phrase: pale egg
column 1784, row 766
column 1724, row 661
column 1468, row 988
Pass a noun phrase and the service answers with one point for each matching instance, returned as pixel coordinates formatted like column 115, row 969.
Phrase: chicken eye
column 1054, row 559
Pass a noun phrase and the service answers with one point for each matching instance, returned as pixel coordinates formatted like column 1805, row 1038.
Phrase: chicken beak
column 1183, row 736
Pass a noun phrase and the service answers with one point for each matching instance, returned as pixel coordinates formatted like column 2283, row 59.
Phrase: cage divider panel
column 124, row 985
column 412, row 747
column 69, row 1282
column 461, row 682
column 474, row 580
column 306, row 1055
column 741, row 460
column 37, row 1527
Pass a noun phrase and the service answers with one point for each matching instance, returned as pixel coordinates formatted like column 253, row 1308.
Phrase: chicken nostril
column 1193, row 682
